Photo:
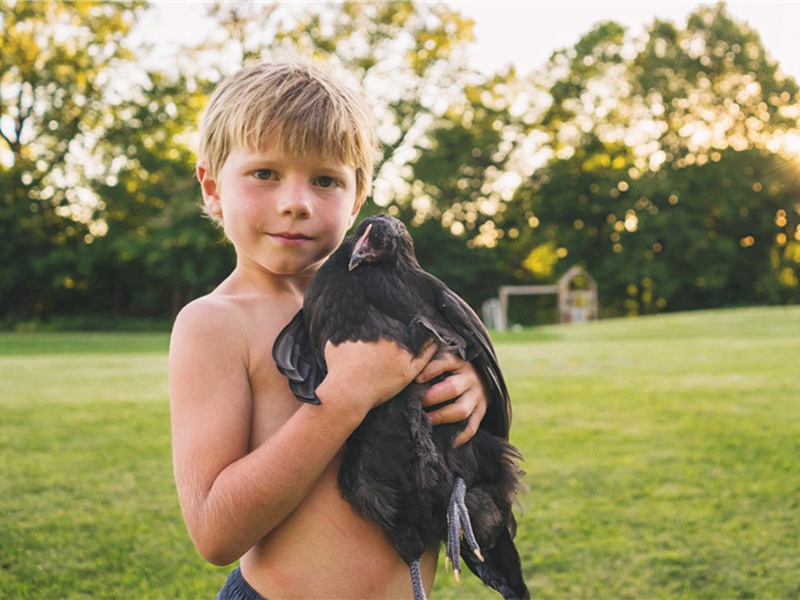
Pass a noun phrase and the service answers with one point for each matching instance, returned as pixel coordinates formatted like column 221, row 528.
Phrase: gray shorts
column 236, row 588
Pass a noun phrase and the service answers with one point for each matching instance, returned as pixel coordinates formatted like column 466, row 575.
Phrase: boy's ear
column 210, row 189
column 356, row 210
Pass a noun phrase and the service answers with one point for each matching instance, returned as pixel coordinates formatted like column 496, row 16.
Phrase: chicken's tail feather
column 501, row 568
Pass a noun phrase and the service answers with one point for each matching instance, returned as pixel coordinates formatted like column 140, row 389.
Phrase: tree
column 56, row 60
column 159, row 251
column 462, row 178
column 656, row 162
column 665, row 179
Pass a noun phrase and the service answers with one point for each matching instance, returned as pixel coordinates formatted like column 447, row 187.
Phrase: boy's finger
column 428, row 351
column 442, row 364
column 431, row 349
column 450, row 413
column 445, row 390
column 470, row 430
column 433, row 369
column 464, row 407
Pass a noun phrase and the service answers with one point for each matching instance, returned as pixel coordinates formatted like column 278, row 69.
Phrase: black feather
column 297, row 360
column 397, row 470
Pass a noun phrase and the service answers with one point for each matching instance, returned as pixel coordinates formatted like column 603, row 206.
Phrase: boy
column 285, row 163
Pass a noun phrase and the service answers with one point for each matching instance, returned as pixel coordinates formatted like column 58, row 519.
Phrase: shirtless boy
column 285, row 162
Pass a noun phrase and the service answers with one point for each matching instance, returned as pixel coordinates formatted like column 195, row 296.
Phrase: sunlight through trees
column 666, row 163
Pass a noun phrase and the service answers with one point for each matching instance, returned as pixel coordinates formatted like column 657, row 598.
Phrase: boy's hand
column 463, row 385
column 373, row 372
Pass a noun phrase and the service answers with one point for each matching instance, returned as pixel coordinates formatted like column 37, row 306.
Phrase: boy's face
column 284, row 215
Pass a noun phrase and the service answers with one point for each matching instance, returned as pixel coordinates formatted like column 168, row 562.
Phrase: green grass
column 662, row 457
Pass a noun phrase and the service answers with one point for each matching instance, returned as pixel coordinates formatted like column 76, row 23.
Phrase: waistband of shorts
column 238, row 581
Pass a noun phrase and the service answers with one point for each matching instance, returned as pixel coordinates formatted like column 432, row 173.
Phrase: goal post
column 574, row 305
column 519, row 290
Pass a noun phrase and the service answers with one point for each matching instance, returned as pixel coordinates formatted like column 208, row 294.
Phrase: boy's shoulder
column 240, row 320
column 211, row 320
column 210, row 311
column 230, row 337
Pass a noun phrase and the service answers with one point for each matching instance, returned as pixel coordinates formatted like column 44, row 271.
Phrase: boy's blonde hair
column 305, row 107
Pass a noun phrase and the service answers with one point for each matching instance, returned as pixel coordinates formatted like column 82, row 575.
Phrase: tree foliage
column 666, row 179
column 656, row 161
column 55, row 62
column 160, row 252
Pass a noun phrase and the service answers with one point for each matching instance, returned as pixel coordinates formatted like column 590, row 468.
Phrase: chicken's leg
column 458, row 524
column 416, row 581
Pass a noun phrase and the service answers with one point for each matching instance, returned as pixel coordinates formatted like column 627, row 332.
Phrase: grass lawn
column 662, row 457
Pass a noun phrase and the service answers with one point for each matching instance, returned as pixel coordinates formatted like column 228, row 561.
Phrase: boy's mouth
column 290, row 236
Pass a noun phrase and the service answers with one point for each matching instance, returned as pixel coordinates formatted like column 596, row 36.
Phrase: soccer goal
column 577, row 299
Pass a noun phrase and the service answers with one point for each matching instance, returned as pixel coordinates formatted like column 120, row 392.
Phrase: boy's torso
column 323, row 549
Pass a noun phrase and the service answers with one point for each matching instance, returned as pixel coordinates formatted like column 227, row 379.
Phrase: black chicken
column 397, row 470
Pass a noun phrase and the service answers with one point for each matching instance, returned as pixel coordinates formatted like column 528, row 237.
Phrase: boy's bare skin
column 256, row 469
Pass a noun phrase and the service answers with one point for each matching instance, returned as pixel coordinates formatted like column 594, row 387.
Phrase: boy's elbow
column 213, row 543
column 210, row 535
column 216, row 551
column 221, row 559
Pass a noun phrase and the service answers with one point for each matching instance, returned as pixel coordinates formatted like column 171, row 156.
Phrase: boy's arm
column 232, row 497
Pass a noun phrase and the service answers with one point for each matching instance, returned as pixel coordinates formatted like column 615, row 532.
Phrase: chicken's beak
column 361, row 250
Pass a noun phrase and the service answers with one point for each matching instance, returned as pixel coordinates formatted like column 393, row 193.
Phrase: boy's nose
column 296, row 200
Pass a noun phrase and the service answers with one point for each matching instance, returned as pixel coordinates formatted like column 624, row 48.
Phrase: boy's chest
column 272, row 401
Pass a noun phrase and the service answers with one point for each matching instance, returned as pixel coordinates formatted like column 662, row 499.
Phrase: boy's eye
column 325, row 181
column 264, row 174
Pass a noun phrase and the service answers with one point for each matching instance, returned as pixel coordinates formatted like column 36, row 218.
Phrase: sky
column 526, row 32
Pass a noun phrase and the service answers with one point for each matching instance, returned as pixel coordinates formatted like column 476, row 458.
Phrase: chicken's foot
column 458, row 524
